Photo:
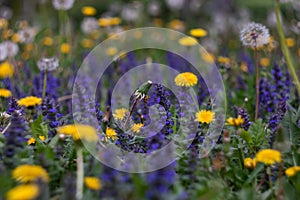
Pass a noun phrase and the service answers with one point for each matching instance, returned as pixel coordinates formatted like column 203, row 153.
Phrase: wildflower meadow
column 150, row 100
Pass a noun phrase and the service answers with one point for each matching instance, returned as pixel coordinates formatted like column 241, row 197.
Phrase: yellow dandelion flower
column 29, row 47
column 41, row 137
column 186, row 79
column 250, row 163
column 235, row 121
column 111, row 133
column 6, row 70
column 28, row 173
column 31, row 141
column 223, row 60
column 88, row 10
column 244, row 67
column 115, row 21
column 47, row 41
column 28, row 192
column 290, row 42
column 177, row 25
column 207, row 57
column 205, row 116
column 7, row 33
column 5, row 93
column 188, row 41
column 87, row 43
column 79, row 131
column 92, row 183
column 120, row 113
column 30, row 101
column 157, row 22
column 292, row 171
column 198, row 32
column 3, row 23
column 111, row 51
column 268, row 156
column 15, row 38
column 65, row 48
column 137, row 127
column 264, row 62
column 104, row 22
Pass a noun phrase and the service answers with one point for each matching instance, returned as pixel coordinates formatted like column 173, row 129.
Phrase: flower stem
column 80, row 173
column 44, row 84
column 285, row 49
column 256, row 84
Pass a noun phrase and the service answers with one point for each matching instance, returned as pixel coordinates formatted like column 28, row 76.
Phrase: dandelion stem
column 44, row 84
column 130, row 112
column 256, row 84
column 285, row 49
column 80, row 173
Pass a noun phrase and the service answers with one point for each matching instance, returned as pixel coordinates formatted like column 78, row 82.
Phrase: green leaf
column 254, row 173
column 38, row 127
column 290, row 128
column 246, row 136
column 256, row 131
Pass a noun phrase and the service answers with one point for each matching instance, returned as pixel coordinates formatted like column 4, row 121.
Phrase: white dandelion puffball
column 89, row 25
column 3, row 52
column 63, row 4
column 254, row 35
column 27, row 35
column 47, row 64
column 11, row 48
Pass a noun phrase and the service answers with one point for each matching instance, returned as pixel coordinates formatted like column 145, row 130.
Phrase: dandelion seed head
column 254, row 35
column 89, row 25
column 48, row 64
column 11, row 48
column 63, row 4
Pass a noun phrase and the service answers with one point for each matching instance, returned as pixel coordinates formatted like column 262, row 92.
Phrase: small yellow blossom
column 205, row 116
column 29, row 47
column 5, row 93
column 290, row 42
column 291, row 171
column 268, row 156
column 15, row 38
column 30, row 101
column 88, row 10
column 31, row 141
column 48, row 41
column 264, row 62
column 250, row 163
column 25, row 192
column 111, row 51
column 28, row 173
column 92, row 183
column 207, row 57
column 87, row 43
column 6, row 70
column 186, row 79
column 3, row 23
column 120, row 113
column 79, row 131
column 137, row 127
column 176, row 25
column 188, row 41
column 235, row 121
column 111, row 133
column 244, row 67
column 198, row 32
column 65, row 48
column 41, row 137
column 223, row 60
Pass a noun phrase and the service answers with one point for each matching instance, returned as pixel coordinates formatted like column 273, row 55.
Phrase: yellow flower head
column 79, row 131
column 92, row 183
column 3, row 23
column 205, row 116
column 177, row 25
column 30, row 101
column 115, row 21
column 291, row 171
column 15, row 38
column 6, row 70
column 244, row 67
column 290, row 42
column 120, row 113
column 207, row 57
column 31, row 141
column 48, row 41
column 65, row 48
column 88, row 10
column 264, row 62
column 28, row 192
column 87, row 43
column 111, row 51
column 223, row 60
column 235, row 121
column 250, row 163
column 28, row 173
column 111, row 133
column 268, row 156
column 186, row 79
column 188, row 41
column 198, row 32
column 5, row 93
column 41, row 137
column 137, row 127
